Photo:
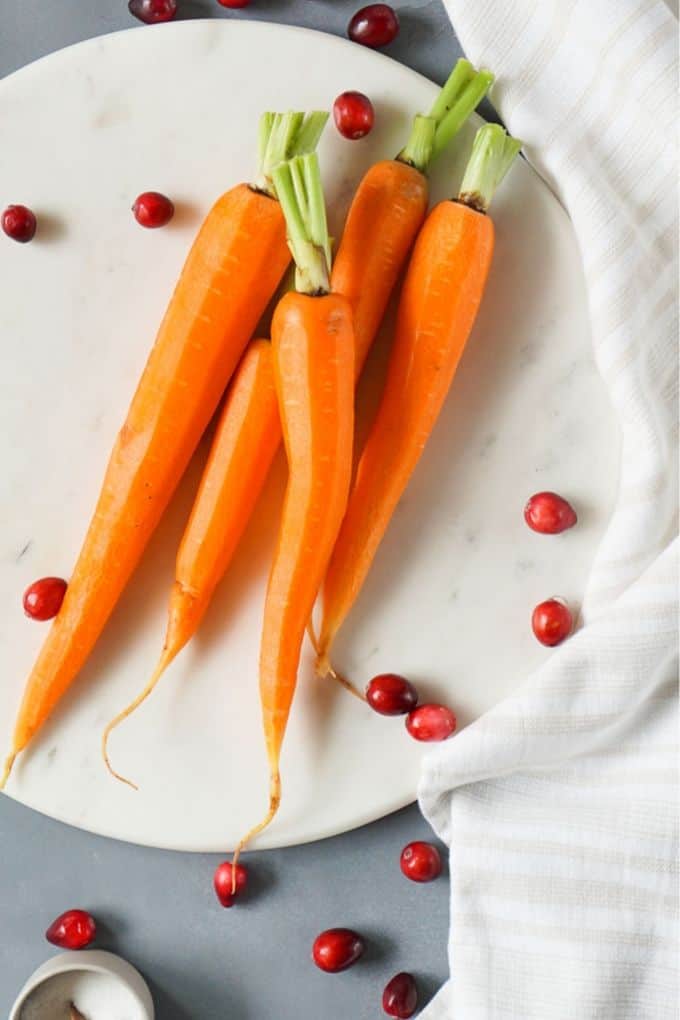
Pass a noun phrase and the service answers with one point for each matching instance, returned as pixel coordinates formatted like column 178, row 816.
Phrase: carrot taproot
column 229, row 276
column 442, row 291
column 313, row 344
column 390, row 204
column 246, row 439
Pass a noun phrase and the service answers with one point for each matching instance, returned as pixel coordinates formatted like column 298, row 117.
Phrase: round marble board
column 448, row 602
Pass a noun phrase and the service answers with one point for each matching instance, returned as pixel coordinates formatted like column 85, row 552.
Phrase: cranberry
column 374, row 26
column 431, row 722
column 391, row 694
column 223, row 882
column 549, row 513
column 19, row 223
column 74, row 929
column 353, row 115
column 152, row 209
column 400, row 997
column 234, row 3
column 337, row 949
column 153, row 11
column 420, row 862
column 43, row 598
column 551, row 621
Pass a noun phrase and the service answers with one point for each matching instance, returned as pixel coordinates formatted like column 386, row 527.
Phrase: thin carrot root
column 9, row 762
column 166, row 658
column 274, row 802
column 311, row 634
column 324, row 668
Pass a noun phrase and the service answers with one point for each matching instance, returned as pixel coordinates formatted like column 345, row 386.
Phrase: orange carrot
column 230, row 274
column 442, row 291
column 246, row 439
column 384, row 218
column 389, row 207
column 313, row 347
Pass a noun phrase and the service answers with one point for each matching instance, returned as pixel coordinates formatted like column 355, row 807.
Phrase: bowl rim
column 97, row 961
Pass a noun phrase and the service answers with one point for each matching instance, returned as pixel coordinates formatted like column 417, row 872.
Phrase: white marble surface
column 450, row 596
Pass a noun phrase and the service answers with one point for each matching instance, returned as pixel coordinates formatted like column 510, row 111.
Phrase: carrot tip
column 311, row 634
column 324, row 668
column 112, row 771
column 9, row 762
column 166, row 658
column 274, row 802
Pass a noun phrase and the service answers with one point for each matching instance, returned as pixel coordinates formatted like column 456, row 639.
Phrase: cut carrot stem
column 459, row 96
column 313, row 347
column 492, row 156
column 231, row 271
column 442, row 291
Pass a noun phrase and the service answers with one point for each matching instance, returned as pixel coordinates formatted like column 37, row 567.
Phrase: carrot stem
column 458, row 97
column 467, row 100
column 282, row 136
column 418, row 150
column 461, row 75
column 299, row 190
column 492, row 154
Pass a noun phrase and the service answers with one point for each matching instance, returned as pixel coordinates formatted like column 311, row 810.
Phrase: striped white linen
column 560, row 805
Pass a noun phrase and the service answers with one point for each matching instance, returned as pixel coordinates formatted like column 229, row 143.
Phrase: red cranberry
column 353, row 115
column 549, row 513
column 223, row 882
column 43, row 598
column 391, row 694
column 420, row 862
column 431, row 722
column 374, row 26
column 400, row 997
column 337, row 949
column 19, row 223
column 74, row 929
column 153, row 11
column 552, row 621
column 152, row 209
column 234, row 3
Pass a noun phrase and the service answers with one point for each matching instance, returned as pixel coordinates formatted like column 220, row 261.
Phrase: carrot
column 390, row 203
column 246, row 439
column 443, row 288
column 313, row 346
column 383, row 220
column 231, row 272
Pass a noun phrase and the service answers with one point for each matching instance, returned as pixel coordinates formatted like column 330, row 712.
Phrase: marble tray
column 174, row 108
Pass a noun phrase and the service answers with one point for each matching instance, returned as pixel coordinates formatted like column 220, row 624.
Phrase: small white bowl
column 93, row 960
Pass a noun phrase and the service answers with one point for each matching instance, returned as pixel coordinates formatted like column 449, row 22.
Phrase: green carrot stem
column 492, row 154
column 462, row 73
column 418, row 150
column 299, row 190
column 310, row 132
column 467, row 100
column 282, row 136
column 458, row 97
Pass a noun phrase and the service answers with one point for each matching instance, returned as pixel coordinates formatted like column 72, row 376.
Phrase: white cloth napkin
column 559, row 805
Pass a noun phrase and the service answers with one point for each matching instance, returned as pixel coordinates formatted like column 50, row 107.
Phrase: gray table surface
column 157, row 908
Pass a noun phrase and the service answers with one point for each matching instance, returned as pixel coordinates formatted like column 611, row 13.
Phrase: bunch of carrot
column 299, row 387
column 230, row 274
column 384, row 218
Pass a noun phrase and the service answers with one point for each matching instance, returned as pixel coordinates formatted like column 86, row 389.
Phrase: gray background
column 157, row 908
